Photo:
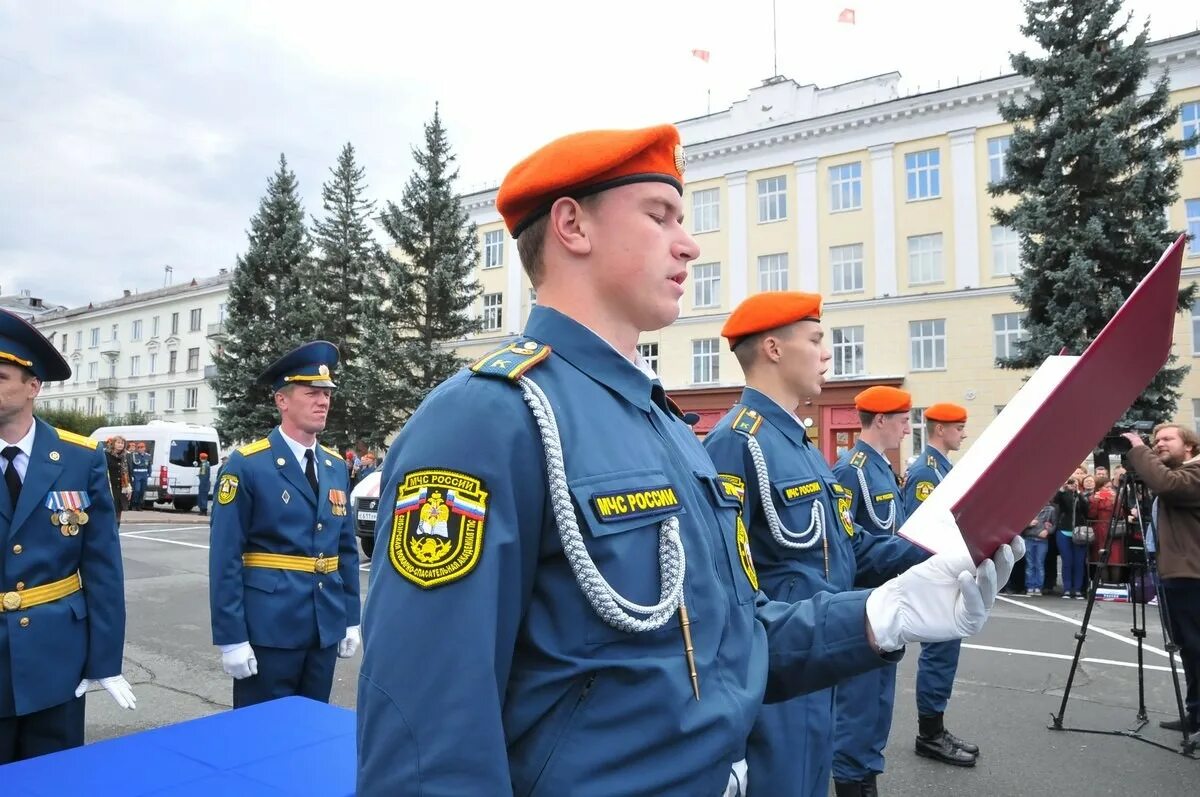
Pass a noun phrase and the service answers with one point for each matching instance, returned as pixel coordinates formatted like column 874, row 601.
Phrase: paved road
column 1011, row 678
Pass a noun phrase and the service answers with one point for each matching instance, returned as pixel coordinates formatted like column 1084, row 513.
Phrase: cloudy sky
column 139, row 133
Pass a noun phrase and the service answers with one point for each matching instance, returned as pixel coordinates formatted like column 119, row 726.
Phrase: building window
column 174, row 323
column 191, row 398
column 493, row 248
column 492, row 310
column 111, row 407
column 1006, row 251
column 924, row 259
column 92, row 370
column 170, row 400
column 194, row 326
column 849, row 354
column 136, row 330
column 923, row 173
column 1196, row 328
column 135, row 365
column 60, row 403
column 112, row 369
column 649, row 354
column 706, row 210
column 221, row 312
column 94, row 337
column 78, row 339
column 113, row 332
column 1193, row 226
column 150, row 402
column 847, row 264
column 845, row 186
column 171, row 358
column 772, row 199
column 706, row 361
column 1009, row 328
column 773, row 272
column 706, row 285
column 63, row 347
column 154, row 327
column 1189, row 114
column 153, row 363
column 927, row 340
column 91, row 405
column 997, row 150
column 194, row 359
column 916, row 418
column 133, row 402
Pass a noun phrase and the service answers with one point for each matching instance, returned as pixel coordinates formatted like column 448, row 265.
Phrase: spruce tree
column 435, row 259
column 267, row 310
column 1094, row 169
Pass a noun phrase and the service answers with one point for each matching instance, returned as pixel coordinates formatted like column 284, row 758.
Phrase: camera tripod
column 1127, row 501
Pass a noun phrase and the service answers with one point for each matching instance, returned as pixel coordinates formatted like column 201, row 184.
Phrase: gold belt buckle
column 12, row 601
column 323, row 565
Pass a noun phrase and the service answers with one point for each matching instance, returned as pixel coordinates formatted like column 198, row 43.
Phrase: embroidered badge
column 337, row 503
column 227, row 488
column 884, row 497
column 923, row 489
column 625, row 504
column 845, row 499
column 743, row 545
column 799, row 491
column 732, row 485
column 437, row 527
column 68, row 510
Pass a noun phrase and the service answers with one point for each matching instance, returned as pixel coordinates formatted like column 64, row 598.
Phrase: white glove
column 238, row 660
column 1004, row 568
column 116, row 686
column 350, row 644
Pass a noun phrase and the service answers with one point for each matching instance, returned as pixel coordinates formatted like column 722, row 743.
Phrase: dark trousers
column 1051, row 565
column 1182, row 596
column 935, row 676
column 283, row 673
column 202, row 496
column 47, row 731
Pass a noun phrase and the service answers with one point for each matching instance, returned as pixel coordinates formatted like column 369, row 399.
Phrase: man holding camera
column 1171, row 469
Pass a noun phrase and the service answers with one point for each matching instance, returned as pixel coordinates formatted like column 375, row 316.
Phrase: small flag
column 703, row 54
column 846, row 16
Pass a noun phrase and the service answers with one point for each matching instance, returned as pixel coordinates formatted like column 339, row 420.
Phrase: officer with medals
column 801, row 533
column 62, row 587
column 945, row 426
column 865, row 702
column 559, row 605
column 283, row 561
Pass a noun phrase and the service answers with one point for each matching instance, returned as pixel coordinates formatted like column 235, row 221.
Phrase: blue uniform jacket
column 493, row 674
column 926, row 472
column 265, row 504
column 46, row 650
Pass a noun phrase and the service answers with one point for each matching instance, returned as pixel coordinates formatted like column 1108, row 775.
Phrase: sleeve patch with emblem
column 733, row 486
column 922, row 490
column 844, row 501
column 437, row 526
column 227, row 488
column 743, row 546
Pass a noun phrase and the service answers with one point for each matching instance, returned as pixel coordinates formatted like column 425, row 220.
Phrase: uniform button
column 17, row 548
column 20, row 586
column 320, row 585
column 24, row 622
column 320, row 526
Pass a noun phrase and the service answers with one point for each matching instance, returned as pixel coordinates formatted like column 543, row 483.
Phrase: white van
column 174, row 450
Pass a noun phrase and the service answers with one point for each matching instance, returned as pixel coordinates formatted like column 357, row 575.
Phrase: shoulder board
column 511, row 361
column 747, row 421
column 859, row 459
column 329, row 450
column 253, row 448
column 77, row 439
column 931, row 461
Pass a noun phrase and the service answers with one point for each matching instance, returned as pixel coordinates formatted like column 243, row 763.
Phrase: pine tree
column 1094, row 170
column 433, row 276
column 267, row 312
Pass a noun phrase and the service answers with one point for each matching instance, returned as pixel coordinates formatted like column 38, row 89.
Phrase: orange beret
column 770, row 310
column 587, row 163
column 946, row 413
column 882, row 399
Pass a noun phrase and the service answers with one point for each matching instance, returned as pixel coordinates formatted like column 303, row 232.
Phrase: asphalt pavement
column 1010, row 680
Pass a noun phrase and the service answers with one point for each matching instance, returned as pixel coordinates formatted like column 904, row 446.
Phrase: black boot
column 1193, row 724
column 962, row 744
column 856, row 788
column 934, row 742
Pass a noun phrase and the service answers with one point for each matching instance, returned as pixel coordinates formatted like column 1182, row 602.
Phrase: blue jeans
column 1035, row 563
column 1074, row 562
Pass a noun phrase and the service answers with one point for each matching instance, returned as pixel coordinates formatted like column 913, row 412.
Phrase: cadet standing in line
column 561, row 605
column 797, row 515
column 283, row 561
column 865, row 702
column 139, row 475
column 945, row 426
column 205, row 486
column 62, row 607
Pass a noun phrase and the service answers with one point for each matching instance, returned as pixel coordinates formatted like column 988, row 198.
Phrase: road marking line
column 1063, row 656
column 1074, row 622
column 133, row 535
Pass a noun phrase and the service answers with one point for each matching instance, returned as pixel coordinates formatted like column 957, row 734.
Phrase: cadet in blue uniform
column 62, row 589
column 139, row 474
column 561, row 604
column 205, row 486
column 865, row 702
column 283, row 561
column 803, row 539
column 945, row 430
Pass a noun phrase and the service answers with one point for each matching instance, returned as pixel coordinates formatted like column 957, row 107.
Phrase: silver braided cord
column 808, row 538
column 869, row 503
column 610, row 606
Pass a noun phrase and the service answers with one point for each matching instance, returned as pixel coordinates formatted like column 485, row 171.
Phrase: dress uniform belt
column 36, row 596
column 283, row 561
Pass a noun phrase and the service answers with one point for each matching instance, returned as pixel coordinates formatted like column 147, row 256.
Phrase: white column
column 883, row 208
column 807, row 251
column 966, row 208
column 512, row 290
column 736, row 215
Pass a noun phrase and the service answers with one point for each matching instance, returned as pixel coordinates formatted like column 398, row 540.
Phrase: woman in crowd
column 118, row 472
column 1072, row 512
column 1100, row 512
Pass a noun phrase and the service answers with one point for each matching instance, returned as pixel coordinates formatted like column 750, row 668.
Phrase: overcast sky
column 141, row 133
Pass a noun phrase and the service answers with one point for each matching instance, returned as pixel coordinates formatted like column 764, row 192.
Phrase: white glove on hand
column 238, row 660
column 1004, row 568
column 350, row 644
column 116, row 686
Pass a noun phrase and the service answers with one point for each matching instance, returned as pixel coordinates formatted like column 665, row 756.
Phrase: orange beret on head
column 946, row 413
column 882, row 399
column 587, row 163
column 770, row 310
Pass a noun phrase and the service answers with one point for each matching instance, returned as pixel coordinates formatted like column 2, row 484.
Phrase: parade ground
column 1010, row 680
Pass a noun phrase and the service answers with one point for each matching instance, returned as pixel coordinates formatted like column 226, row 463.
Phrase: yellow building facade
column 880, row 203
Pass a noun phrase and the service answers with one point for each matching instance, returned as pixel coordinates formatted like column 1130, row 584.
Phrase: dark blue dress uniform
column 818, row 549
column 139, row 474
column 487, row 670
column 62, row 607
column 283, row 561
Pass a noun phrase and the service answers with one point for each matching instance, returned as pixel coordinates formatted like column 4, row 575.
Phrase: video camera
column 1114, row 445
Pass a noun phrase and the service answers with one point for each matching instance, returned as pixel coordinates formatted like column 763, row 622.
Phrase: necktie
column 310, row 470
column 11, row 477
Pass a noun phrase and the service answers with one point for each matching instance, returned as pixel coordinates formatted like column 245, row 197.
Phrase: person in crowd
column 118, row 472
column 1072, row 513
column 1101, row 506
column 1037, row 535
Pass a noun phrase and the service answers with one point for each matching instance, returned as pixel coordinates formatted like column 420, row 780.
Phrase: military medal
column 81, row 517
column 67, row 510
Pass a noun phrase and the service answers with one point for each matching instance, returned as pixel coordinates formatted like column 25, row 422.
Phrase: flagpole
column 774, row 42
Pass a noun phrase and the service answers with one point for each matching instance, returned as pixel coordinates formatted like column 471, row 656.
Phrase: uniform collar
column 297, row 448
column 872, row 453
column 25, row 443
column 773, row 411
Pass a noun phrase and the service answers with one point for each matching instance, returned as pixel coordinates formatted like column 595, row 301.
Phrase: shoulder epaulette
column 77, row 439
column 329, row 450
column 511, row 361
column 859, row 459
column 253, row 448
column 931, row 461
column 747, row 421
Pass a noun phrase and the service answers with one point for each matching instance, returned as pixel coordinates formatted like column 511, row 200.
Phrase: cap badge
column 680, row 164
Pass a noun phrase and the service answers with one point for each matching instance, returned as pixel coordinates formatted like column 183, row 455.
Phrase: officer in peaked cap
column 563, row 587
column 62, row 590
column 283, row 561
